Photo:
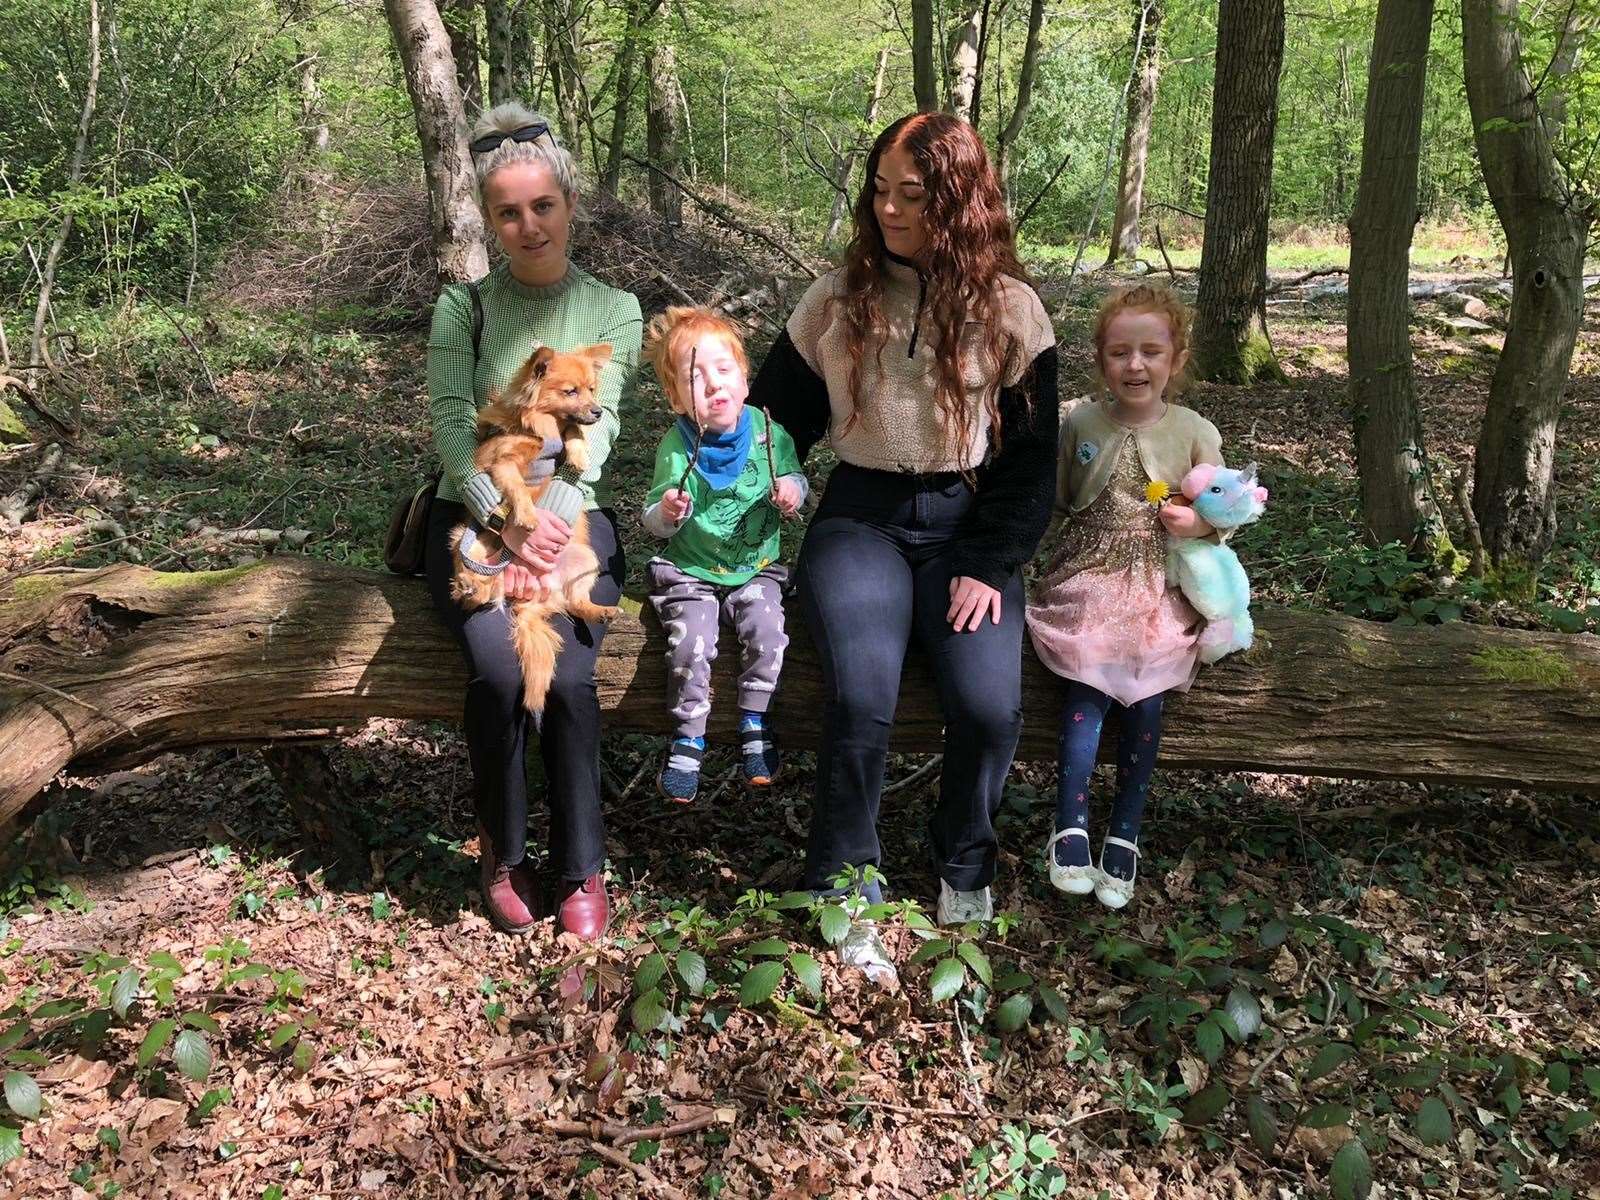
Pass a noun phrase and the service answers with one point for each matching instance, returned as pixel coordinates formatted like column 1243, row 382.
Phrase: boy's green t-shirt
column 732, row 532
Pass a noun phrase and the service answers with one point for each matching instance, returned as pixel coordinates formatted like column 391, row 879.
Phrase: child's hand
column 1182, row 521
column 786, row 495
column 675, row 505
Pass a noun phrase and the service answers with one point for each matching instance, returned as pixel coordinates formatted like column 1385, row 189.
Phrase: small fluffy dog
column 553, row 395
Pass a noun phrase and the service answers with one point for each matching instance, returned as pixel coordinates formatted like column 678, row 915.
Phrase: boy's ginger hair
column 1151, row 298
column 671, row 335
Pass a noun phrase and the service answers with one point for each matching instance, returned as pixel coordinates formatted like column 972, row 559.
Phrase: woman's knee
column 984, row 709
column 861, row 693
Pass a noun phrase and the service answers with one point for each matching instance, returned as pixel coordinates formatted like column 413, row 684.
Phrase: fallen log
column 108, row 667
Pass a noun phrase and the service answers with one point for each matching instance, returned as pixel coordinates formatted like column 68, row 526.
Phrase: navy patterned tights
column 1081, row 718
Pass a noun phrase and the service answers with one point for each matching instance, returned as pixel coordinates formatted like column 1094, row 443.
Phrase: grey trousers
column 690, row 610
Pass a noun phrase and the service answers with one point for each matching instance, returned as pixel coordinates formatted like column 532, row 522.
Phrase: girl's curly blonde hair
column 1148, row 298
column 671, row 335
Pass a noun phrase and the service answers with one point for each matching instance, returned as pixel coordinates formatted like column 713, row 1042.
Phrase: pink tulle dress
column 1103, row 614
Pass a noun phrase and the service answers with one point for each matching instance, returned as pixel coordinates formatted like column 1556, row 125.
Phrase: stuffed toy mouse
column 1209, row 574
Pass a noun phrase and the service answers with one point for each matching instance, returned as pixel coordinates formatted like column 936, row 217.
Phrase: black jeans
column 874, row 574
column 496, row 723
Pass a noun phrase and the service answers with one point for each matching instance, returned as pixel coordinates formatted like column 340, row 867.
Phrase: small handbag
column 405, row 546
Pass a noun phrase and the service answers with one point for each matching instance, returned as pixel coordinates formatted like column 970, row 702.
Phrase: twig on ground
column 488, row 1160
column 1286, row 284
column 1161, row 245
column 283, row 495
column 644, row 1174
column 919, row 774
column 211, row 382
column 515, row 1060
column 623, row 1135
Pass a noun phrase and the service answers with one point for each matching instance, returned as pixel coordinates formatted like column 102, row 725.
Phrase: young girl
column 723, row 477
column 1104, row 617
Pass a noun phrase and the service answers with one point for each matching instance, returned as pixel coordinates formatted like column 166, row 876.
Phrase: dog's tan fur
column 553, row 395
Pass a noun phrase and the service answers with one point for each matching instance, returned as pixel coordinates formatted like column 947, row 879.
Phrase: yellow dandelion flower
column 1156, row 491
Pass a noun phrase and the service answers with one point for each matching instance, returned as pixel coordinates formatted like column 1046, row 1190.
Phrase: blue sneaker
column 760, row 760
column 679, row 778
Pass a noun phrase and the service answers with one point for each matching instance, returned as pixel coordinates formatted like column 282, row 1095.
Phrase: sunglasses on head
column 528, row 133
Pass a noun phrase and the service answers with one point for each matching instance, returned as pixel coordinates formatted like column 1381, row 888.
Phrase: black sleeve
column 1016, row 487
column 793, row 394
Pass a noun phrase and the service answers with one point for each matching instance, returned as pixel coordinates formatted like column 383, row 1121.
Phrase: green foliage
column 1018, row 1165
column 110, row 995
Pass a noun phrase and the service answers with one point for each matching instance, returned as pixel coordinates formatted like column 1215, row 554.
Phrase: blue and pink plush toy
column 1209, row 574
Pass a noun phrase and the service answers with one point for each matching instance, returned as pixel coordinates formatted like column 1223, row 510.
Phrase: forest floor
column 1318, row 982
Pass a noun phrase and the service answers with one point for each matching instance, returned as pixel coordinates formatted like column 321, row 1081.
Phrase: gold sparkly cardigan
column 1092, row 442
column 898, row 427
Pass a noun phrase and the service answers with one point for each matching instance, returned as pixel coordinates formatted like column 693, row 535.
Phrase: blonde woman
column 528, row 187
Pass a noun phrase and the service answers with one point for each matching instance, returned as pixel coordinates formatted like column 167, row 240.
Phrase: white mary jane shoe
column 1074, row 880
column 1108, row 889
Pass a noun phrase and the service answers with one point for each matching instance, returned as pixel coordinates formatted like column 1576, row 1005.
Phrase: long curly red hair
column 969, row 245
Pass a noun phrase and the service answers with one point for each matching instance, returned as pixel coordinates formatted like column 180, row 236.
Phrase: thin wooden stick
column 699, row 429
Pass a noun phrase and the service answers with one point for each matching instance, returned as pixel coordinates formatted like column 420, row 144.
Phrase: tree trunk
column 500, row 17
column 38, row 352
column 1026, row 72
column 561, row 60
column 461, row 23
column 924, row 71
column 965, row 63
column 1390, row 457
column 1230, row 333
column 313, row 120
column 627, row 79
column 842, row 199
column 110, row 667
column 661, row 121
column 1338, row 149
column 424, row 47
column 1546, row 221
column 1147, row 17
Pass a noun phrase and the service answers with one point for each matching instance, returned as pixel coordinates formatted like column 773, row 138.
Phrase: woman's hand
column 786, row 495
column 970, row 600
column 522, row 583
column 1182, row 521
column 540, row 544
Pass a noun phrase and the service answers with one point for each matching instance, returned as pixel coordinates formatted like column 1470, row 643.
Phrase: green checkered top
column 517, row 320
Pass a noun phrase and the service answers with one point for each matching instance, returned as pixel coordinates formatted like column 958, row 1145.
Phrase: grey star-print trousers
column 691, row 611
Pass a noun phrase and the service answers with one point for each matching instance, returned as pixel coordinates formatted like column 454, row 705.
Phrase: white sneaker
column 1109, row 890
column 1073, row 879
column 863, row 949
column 957, row 908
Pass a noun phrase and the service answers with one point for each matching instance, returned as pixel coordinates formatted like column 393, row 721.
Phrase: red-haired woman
column 930, row 364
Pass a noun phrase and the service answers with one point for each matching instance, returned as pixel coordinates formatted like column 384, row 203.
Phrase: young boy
column 723, row 476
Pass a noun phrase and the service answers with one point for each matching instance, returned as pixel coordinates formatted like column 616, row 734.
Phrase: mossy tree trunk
column 107, row 668
column 1546, row 217
column 1390, row 458
column 1230, row 333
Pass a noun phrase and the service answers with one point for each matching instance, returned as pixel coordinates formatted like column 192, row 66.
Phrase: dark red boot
column 582, row 906
column 507, row 895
